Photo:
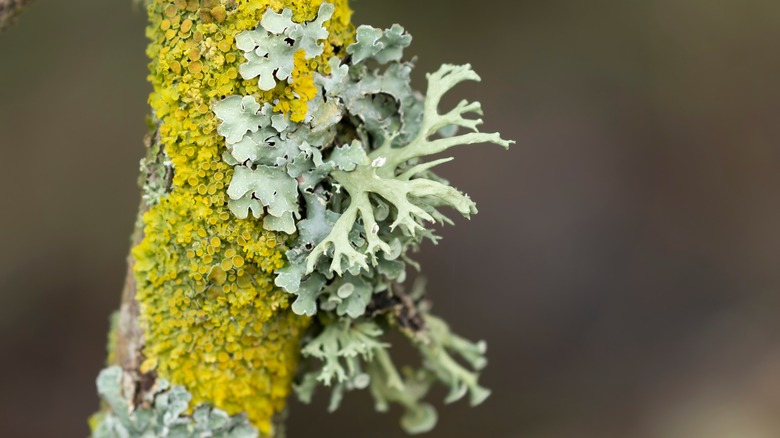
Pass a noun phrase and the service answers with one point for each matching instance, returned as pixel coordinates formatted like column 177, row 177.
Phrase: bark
column 128, row 337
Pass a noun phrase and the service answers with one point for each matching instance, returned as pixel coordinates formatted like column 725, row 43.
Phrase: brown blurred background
column 623, row 267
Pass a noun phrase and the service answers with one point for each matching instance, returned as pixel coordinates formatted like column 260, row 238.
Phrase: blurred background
column 623, row 267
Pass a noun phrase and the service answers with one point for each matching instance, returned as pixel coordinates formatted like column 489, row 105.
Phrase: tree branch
column 9, row 10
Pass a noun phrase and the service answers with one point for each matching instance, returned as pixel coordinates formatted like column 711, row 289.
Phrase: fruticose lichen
column 348, row 183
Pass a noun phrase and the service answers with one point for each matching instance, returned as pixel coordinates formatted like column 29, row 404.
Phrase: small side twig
column 9, row 9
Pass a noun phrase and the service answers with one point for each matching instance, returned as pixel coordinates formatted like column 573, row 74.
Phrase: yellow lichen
column 213, row 321
column 112, row 337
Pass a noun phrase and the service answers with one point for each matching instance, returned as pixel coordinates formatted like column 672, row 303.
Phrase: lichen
column 161, row 414
column 349, row 184
column 286, row 180
column 112, row 335
column 270, row 49
column 213, row 320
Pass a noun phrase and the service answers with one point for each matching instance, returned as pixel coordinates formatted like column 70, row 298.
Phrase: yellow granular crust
column 213, row 320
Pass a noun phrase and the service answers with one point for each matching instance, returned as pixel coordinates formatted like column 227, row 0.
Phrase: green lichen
column 156, row 168
column 381, row 45
column 270, row 48
column 393, row 174
column 162, row 414
column 352, row 355
column 349, row 182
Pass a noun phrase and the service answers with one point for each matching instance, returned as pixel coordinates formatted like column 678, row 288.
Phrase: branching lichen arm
column 439, row 83
column 405, row 189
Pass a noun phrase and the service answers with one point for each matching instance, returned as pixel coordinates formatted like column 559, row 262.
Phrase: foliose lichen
column 162, row 414
column 348, row 182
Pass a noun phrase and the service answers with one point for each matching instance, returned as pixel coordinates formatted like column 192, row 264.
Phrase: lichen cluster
column 287, row 181
column 349, row 182
column 213, row 320
column 162, row 413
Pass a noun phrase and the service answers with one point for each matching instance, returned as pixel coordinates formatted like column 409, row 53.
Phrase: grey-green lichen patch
column 381, row 45
column 162, row 414
column 353, row 185
column 156, row 168
column 270, row 49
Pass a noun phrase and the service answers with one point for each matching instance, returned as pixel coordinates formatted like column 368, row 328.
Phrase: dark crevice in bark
column 129, row 340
